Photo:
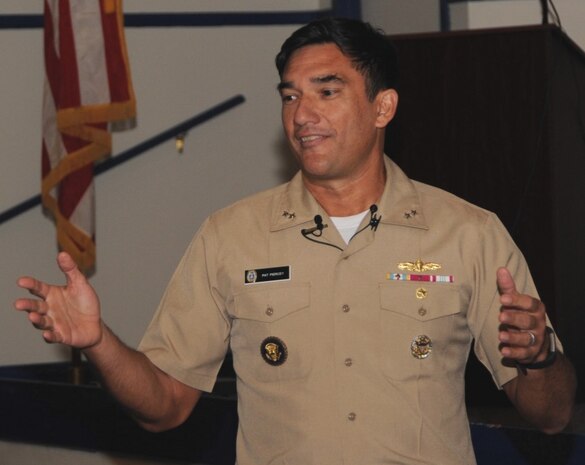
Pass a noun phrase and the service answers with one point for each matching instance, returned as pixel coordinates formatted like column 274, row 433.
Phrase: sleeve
column 189, row 334
column 495, row 249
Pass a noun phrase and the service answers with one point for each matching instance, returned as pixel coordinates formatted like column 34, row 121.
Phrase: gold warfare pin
column 418, row 266
column 273, row 351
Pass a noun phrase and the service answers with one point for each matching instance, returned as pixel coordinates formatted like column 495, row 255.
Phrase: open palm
column 67, row 314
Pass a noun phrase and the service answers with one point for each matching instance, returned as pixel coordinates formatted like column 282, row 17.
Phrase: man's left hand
column 523, row 323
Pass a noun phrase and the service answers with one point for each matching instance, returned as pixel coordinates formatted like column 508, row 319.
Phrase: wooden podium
column 498, row 118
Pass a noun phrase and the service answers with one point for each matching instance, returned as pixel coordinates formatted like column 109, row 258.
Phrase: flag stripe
column 68, row 90
column 116, row 56
column 71, row 189
column 52, row 140
column 83, row 63
column 50, row 51
column 90, row 55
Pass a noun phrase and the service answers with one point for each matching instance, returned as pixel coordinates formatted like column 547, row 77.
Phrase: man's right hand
column 67, row 314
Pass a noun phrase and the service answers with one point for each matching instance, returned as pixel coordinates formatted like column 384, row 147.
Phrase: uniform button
column 345, row 308
column 422, row 311
column 269, row 311
column 351, row 416
column 348, row 362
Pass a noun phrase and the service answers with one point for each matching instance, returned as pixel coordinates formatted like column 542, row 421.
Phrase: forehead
column 319, row 60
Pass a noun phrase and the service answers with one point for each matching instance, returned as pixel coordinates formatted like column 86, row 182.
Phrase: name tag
column 264, row 275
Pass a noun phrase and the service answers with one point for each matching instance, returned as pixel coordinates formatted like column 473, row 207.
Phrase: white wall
column 403, row 16
column 495, row 13
column 504, row 13
column 408, row 16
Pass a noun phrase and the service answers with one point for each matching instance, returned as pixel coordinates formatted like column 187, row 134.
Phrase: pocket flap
column 271, row 304
column 433, row 301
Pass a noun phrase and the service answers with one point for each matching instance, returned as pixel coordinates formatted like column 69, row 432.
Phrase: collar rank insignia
column 419, row 266
column 273, row 351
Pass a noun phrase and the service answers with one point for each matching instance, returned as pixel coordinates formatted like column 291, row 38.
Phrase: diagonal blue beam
column 137, row 150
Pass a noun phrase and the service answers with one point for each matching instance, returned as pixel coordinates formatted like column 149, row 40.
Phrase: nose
column 305, row 112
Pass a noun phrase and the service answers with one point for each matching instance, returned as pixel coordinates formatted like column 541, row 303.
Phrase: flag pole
column 76, row 369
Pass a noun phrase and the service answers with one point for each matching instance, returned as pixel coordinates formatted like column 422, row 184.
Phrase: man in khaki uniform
column 349, row 297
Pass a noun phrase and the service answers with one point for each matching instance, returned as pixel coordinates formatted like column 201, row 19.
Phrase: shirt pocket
column 418, row 322
column 270, row 338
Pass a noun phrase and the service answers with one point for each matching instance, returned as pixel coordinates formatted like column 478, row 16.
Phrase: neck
column 346, row 197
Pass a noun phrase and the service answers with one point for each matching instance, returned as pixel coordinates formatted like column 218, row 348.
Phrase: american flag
column 87, row 91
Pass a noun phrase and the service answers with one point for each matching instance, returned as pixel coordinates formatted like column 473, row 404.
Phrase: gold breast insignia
column 273, row 351
column 421, row 347
column 418, row 266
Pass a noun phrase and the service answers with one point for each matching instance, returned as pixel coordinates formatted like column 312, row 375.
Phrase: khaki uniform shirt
column 351, row 356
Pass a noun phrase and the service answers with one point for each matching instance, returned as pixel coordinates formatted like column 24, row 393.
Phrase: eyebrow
column 316, row 80
column 328, row 78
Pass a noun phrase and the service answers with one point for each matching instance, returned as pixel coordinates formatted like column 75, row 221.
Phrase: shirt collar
column 400, row 203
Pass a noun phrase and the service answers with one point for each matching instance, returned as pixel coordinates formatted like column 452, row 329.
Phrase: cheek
column 364, row 121
column 287, row 123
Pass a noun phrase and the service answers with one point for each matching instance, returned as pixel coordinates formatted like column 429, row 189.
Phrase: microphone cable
column 317, row 231
column 374, row 220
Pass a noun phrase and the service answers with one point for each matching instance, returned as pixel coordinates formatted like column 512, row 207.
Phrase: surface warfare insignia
column 418, row 266
column 273, row 351
column 421, row 347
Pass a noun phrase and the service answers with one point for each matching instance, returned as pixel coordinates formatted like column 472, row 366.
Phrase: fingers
column 505, row 281
column 65, row 314
column 68, row 266
column 31, row 306
column 41, row 318
column 520, row 338
column 37, row 309
column 511, row 299
column 40, row 321
column 523, row 346
column 522, row 331
column 40, row 289
column 523, row 321
column 518, row 317
column 45, row 323
column 34, row 286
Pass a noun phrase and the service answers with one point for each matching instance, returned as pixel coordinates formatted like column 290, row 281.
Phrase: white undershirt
column 348, row 225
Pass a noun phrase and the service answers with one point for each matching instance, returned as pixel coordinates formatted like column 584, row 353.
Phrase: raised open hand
column 67, row 314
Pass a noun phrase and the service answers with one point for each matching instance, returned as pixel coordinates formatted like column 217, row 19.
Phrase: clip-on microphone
column 374, row 219
column 315, row 230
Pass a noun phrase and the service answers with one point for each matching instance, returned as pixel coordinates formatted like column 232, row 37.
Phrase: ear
column 386, row 103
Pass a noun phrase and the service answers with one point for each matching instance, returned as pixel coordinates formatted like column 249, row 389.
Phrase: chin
column 314, row 163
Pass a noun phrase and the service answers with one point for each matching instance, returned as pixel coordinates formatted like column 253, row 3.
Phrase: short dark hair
column 371, row 52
